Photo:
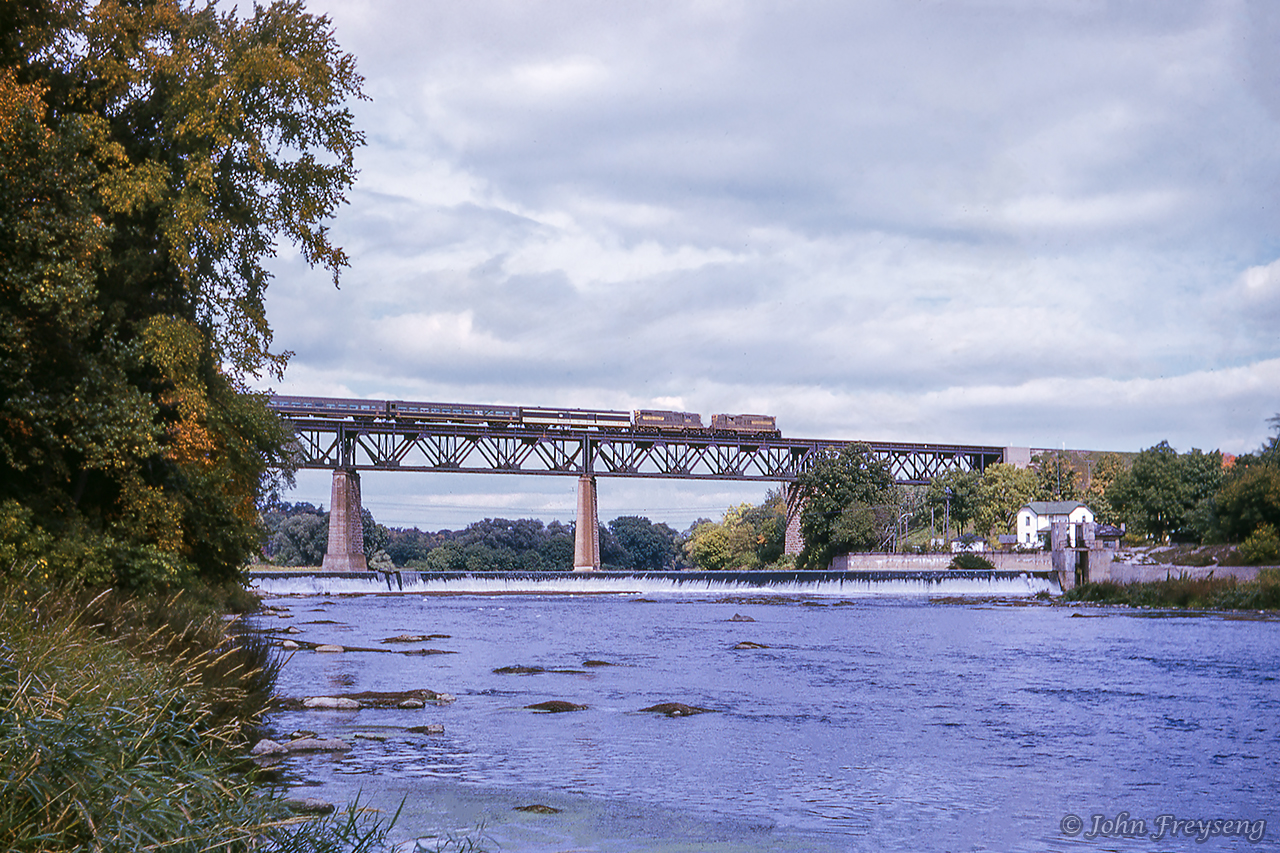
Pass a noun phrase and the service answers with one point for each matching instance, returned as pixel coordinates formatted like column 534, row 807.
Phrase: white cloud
column 1262, row 282
column 1000, row 223
column 1108, row 210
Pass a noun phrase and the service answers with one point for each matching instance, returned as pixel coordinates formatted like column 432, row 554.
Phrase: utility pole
column 947, row 492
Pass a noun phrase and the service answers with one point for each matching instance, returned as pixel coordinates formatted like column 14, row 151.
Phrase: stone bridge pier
column 793, row 540
column 586, row 531
column 346, row 526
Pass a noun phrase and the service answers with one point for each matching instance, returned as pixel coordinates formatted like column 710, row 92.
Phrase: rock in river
column 309, row 805
column 414, row 638
column 267, row 747
column 556, row 706
column 519, row 669
column 331, row 703
column 316, row 744
column 675, row 709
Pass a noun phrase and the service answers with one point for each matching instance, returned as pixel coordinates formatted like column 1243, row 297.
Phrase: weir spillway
column 951, row 582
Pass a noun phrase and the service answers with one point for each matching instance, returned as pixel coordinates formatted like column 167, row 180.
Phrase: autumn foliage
column 152, row 155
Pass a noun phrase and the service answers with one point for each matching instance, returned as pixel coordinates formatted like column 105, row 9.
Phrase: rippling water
column 869, row 723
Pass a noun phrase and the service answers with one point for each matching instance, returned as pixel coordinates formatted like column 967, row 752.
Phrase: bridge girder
column 466, row 448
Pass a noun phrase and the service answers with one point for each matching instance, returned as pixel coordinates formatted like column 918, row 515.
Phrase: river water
column 901, row 721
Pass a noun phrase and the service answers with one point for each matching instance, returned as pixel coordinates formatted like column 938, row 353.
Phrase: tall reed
column 1204, row 593
column 122, row 726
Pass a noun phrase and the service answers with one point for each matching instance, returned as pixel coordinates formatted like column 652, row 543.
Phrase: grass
column 123, row 723
column 1208, row 593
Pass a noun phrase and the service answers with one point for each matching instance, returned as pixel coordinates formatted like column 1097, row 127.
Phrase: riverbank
column 1202, row 591
column 124, row 725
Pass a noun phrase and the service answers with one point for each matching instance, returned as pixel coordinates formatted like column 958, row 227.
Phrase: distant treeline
column 298, row 534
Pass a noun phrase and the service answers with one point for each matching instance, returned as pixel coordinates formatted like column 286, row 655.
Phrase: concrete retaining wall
column 1037, row 561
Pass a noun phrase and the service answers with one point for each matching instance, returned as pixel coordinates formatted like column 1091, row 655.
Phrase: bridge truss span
column 375, row 445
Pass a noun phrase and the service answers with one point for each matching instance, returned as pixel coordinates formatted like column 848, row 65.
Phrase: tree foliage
column 1159, row 495
column 152, row 154
column 644, row 546
column 748, row 537
column 1247, row 505
column 1103, row 474
column 849, row 505
column 960, row 507
column 1056, row 478
column 1003, row 490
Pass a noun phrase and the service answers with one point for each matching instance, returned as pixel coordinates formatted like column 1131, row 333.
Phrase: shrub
column 969, row 560
column 1262, row 547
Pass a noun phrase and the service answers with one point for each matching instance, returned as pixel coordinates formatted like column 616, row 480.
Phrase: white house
column 1035, row 519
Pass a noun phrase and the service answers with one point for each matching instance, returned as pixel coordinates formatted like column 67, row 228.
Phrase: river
column 910, row 720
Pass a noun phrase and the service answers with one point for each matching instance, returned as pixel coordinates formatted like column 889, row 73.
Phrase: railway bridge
column 348, row 436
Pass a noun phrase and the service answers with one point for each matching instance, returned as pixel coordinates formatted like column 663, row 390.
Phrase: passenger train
column 641, row 420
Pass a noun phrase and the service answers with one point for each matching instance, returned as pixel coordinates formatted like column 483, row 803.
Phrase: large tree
column 1153, row 496
column 848, row 505
column 152, row 155
column 1003, row 490
column 1056, row 478
column 1103, row 474
column 953, row 497
column 647, row 547
column 1248, row 496
column 1250, row 499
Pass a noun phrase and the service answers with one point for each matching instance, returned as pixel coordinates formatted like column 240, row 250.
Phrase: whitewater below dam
column 895, row 715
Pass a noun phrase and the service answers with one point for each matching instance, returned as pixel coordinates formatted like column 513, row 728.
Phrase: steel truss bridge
column 391, row 445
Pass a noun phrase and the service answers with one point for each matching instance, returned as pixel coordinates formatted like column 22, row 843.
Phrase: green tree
column 152, row 155
column 648, row 547
column 1250, row 499
column 556, row 550
column 1202, row 477
column 448, row 557
column 1056, row 478
column 1003, row 490
column 848, row 505
column 767, row 524
column 1102, row 475
column 963, row 499
column 1269, row 453
column 708, row 547
column 300, row 540
column 1152, row 496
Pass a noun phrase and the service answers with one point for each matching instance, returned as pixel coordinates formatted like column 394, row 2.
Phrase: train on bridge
column 639, row 421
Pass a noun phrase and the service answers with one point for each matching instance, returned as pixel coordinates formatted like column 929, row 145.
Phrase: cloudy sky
column 1011, row 223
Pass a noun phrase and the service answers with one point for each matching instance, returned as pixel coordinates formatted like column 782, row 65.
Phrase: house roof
column 1053, row 507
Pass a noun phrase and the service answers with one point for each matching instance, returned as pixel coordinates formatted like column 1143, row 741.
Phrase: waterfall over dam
column 821, row 583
